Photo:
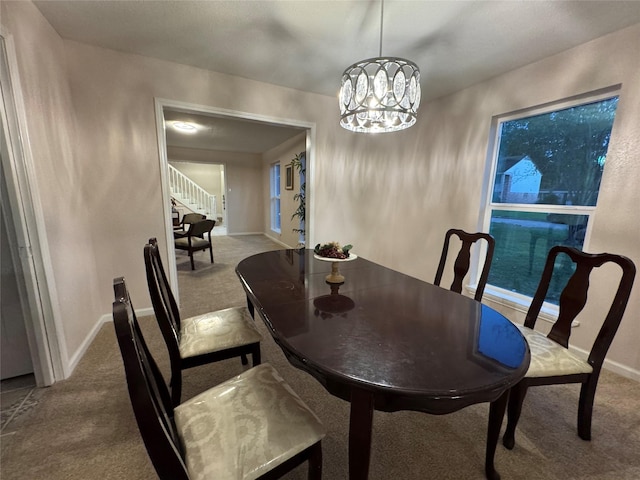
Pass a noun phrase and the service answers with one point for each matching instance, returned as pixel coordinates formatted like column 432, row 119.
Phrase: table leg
column 496, row 414
column 360, row 425
column 250, row 307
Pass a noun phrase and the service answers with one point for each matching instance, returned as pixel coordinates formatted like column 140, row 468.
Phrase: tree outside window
column 545, row 183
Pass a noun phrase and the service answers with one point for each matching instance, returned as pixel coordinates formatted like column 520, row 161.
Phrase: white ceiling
column 224, row 133
column 307, row 44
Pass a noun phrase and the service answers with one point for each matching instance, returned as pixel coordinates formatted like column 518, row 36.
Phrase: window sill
column 519, row 303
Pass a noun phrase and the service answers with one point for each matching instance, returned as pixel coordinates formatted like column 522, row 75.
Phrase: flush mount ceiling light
column 380, row 94
column 185, row 127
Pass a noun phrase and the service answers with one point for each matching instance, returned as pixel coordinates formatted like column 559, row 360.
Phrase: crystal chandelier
column 380, row 94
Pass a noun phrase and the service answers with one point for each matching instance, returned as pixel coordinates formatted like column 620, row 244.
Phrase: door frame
column 42, row 325
column 160, row 105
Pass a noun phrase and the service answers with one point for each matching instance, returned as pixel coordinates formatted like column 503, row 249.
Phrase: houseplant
column 300, row 165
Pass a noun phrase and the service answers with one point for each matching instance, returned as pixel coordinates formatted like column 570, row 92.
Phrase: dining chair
column 194, row 240
column 251, row 426
column 463, row 260
column 185, row 223
column 551, row 360
column 200, row 339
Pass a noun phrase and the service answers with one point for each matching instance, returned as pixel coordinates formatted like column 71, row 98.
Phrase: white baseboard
column 79, row 353
column 622, row 370
column 276, row 240
column 612, row 366
column 238, row 234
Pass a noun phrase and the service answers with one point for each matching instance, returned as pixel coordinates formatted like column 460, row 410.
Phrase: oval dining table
column 383, row 340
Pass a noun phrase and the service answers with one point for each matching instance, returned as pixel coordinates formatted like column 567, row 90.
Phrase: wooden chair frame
column 168, row 318
column 572, row 301
column 197, row 231
column 187, row 220
column 153, row 408
column 463, row 260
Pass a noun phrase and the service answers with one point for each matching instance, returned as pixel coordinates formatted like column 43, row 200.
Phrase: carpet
column 84, row 428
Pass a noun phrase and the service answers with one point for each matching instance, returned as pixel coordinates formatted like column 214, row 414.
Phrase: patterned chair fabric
column 216, row 331
column 245, row 426
column 200, row 339
column 549, row 358
column 251, row 426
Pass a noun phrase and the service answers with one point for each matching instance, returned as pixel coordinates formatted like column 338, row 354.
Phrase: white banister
column 191, row 194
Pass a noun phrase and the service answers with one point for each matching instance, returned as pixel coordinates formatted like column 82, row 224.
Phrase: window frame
column 274, row 197
column 521, row 302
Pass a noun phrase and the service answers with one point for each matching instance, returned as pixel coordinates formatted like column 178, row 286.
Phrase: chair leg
column 211, row 252
column 315, row 462
column 193, row 267
column 516, row 398
column 255, row 355
column 585, row 407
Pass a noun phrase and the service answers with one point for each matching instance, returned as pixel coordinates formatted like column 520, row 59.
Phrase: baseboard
column 238, row 234
column 612, row 366
column 276, row 240
column 107, row 318
column 622, row 370
column 79, row 353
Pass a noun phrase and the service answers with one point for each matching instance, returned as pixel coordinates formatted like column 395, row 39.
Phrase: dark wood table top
column 413, row 345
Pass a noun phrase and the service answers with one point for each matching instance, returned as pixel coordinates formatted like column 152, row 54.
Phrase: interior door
column 15, row 356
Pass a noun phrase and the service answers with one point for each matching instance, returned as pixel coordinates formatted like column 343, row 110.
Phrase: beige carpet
column 83, row 428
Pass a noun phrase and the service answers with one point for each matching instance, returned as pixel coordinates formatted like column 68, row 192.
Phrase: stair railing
column 191, row 194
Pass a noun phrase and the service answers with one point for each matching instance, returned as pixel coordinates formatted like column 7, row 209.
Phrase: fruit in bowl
column 332, row 250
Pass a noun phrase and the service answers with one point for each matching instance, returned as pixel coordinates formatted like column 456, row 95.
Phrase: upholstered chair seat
column 216, row 331
column 245, row 427
column 252, row 426
column 549, row 358
column 200, row 339
column 183, row 243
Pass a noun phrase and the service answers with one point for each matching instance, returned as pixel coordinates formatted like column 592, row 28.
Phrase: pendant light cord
column 381, row 16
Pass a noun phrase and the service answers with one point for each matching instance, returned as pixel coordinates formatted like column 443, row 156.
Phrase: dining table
column 384, row 340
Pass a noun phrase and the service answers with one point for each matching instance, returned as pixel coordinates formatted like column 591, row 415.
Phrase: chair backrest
column 462, row 263
column 190, row 218
column 573, row 297
column 164, row 303
column 147, row 390
column 199, row 228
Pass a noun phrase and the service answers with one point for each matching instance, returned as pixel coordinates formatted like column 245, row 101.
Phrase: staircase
column 191, row 195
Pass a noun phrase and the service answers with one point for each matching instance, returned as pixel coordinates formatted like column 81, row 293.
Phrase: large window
column 274, row 177
column 546, row 174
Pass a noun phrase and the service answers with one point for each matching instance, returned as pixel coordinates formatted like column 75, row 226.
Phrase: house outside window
column 545, row 177
column 274, row 177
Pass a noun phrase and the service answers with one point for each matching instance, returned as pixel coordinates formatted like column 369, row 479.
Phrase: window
column 545, row 179
column 274, row 177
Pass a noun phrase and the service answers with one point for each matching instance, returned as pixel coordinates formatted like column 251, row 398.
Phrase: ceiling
column 307, row 44
column 225, row 134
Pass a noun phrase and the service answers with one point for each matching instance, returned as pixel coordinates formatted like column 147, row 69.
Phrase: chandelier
column 380, row 94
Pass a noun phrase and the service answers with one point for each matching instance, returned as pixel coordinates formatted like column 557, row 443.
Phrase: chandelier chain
column 381, row 22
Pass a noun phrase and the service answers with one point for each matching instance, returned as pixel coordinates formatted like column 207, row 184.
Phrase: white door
column 15, row 356
column 27, row 324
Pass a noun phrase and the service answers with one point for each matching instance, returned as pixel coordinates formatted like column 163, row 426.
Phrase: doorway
column 234, row 134
column 29, row 341
column 15, row 353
